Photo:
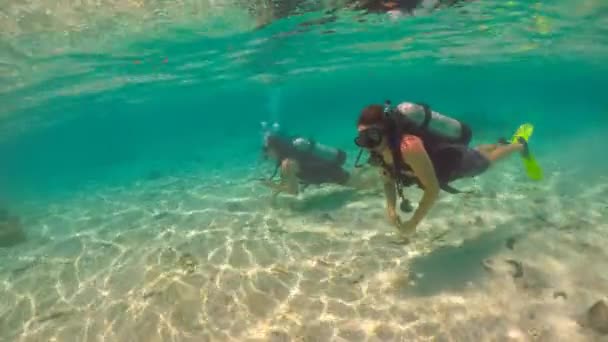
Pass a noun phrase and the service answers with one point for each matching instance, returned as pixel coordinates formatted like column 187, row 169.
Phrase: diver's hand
column 405, row 228
column 393, row 217
column 408, row 227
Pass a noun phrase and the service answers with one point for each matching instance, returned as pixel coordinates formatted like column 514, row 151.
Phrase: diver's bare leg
column 488, row 148
column 501, row 151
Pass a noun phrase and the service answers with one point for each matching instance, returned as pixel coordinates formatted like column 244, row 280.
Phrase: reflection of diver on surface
column 268, row 11
column 303, row 162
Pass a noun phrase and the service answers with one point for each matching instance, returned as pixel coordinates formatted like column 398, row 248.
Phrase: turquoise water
column 130, row 144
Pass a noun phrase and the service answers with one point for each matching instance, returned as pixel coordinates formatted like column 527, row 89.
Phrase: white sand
column 197, row 259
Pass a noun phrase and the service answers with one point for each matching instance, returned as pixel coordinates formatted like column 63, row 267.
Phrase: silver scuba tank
column 437, row 124
column 327, row 153
column 324, row 152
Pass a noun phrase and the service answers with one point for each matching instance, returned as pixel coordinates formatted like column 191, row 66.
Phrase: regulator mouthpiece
column 387, row 106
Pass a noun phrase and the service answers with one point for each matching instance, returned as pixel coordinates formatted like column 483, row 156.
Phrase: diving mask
column 369, row 138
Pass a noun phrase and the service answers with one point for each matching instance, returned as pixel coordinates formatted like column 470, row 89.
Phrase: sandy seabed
column 200, row 258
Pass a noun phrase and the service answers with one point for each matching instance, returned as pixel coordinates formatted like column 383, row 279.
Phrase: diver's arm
column 391, row 197
column 417, row 158
column 288, row 182
column 289, row 179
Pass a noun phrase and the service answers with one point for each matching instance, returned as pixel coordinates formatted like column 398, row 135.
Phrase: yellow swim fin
column 525, row 131
column 533, row 170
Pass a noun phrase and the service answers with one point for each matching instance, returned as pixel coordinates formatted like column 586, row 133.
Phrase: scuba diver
column 303, row 162
column 415, row 145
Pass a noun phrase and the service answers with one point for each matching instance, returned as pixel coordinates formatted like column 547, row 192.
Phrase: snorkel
column 387, row 107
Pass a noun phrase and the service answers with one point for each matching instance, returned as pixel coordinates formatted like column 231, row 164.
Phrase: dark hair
column 372, row 115
column 281, row 145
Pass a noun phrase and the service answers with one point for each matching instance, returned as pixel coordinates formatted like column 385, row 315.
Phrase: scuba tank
column 324, row 152
column 304, row 145
column 437, row 131
column 419, row 118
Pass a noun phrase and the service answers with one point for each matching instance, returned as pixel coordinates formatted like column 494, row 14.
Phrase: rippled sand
column 200, row 259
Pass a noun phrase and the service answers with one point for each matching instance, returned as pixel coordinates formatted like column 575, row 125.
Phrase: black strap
column 357, row 164
column 276, row 170
column 428, row 115
column 398, row 163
